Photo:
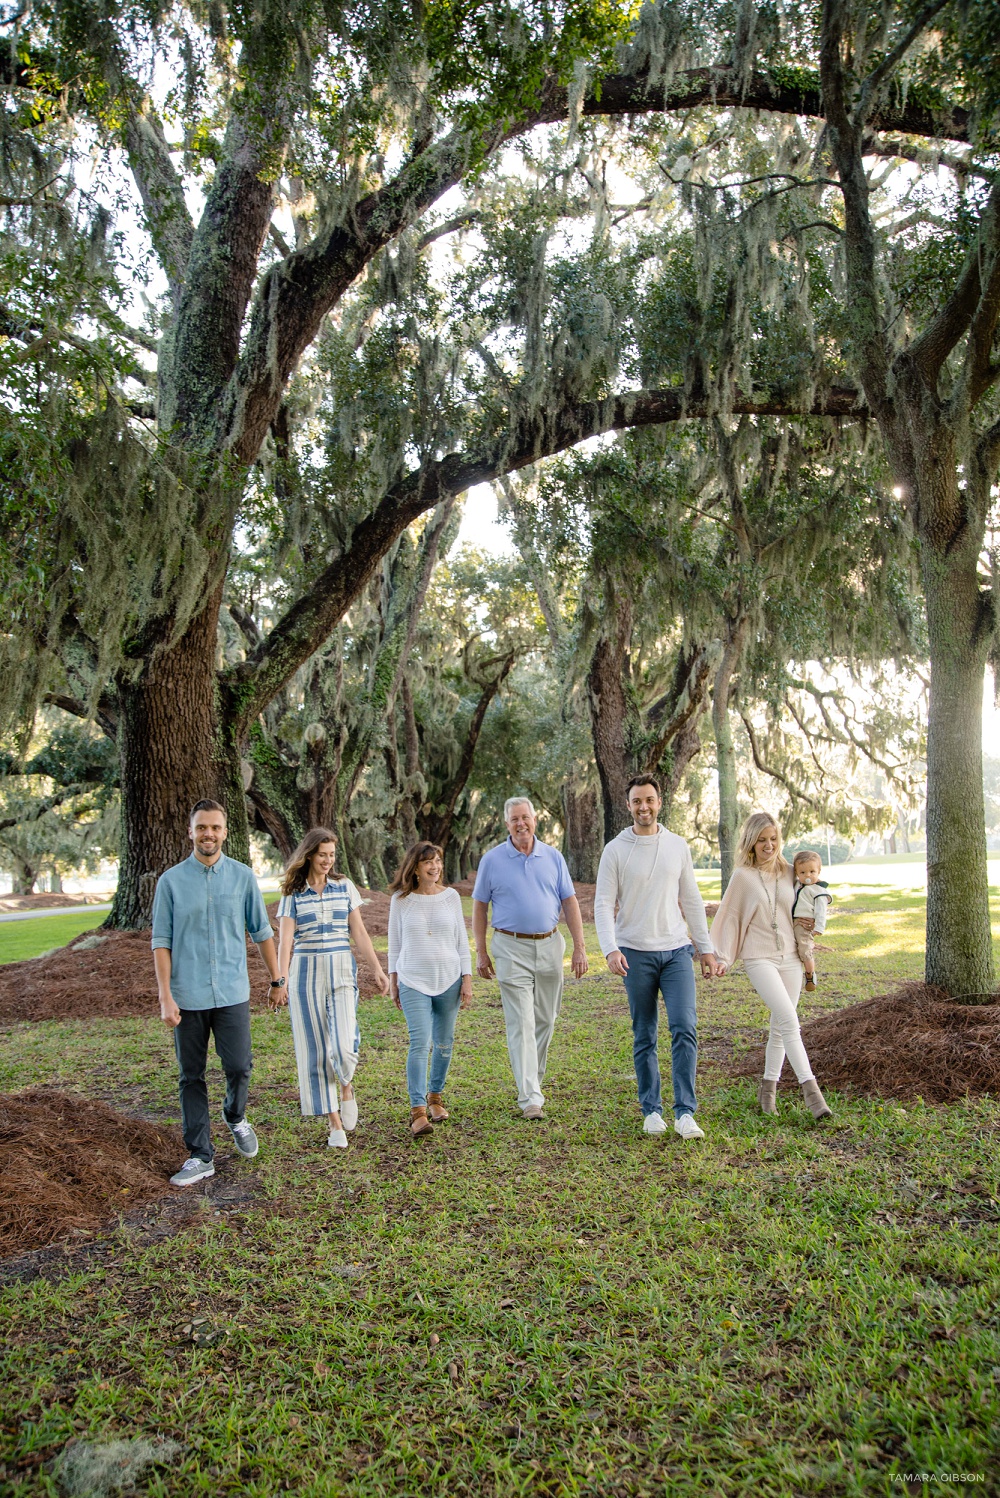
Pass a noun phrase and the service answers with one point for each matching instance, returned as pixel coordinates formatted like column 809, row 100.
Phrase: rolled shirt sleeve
column 163, row 916
column 256, row 918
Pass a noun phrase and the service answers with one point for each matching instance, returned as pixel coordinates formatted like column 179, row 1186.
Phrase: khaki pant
column 804, row 944
column 530, row 974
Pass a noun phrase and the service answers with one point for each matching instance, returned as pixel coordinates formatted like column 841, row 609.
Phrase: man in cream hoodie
column 647, row 872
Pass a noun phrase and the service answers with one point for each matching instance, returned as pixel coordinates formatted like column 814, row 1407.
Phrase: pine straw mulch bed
column 109, row 975
column 68, row 1165
column 14, row 903
column 913, row 1042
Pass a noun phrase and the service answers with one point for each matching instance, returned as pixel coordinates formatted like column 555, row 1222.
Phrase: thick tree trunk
column 725, row 752
column 683, row 748
column 613, row 723
column 582, row 822
column 23, row 878
column 166, row 741
column 959, row 943
column 729, row 815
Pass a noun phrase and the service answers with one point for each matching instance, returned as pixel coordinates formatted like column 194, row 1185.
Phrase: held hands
column 579, row 963
column 711, row 967
column 466, row 995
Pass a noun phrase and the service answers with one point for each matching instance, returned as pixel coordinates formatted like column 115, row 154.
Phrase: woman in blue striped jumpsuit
column 318, row 917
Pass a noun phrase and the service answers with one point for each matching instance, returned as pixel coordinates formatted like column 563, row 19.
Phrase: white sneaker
column 653, row 1124
column 349, row 1113
column 686, row 1127
column 337, row 1139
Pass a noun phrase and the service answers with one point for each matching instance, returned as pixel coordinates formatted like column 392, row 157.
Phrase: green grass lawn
column 42, row 933
column 564, row 1308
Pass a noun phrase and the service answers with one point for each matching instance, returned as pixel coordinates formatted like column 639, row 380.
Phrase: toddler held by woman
column 810, row 905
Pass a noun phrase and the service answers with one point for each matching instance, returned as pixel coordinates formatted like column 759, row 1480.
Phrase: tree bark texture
column 582, row 829
column 166, row 740
column 725, row 749
column 959, row 940
column 613, row 716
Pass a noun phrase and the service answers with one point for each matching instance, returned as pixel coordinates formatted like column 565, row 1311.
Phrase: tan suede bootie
column 767, row 1095
column 436, row 1109
column 814, row 1099
column 420, row 1123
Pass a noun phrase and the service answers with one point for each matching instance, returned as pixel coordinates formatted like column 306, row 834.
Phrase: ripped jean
column 430, row 1019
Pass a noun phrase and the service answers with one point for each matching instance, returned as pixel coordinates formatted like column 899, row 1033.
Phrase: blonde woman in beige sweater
column 754, row 921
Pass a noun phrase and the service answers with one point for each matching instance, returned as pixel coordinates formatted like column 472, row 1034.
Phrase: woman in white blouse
column 754, row 921
column 430, row 973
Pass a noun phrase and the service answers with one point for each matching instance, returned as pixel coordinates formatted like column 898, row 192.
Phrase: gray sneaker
column 192, row 1170
column 243, row 1137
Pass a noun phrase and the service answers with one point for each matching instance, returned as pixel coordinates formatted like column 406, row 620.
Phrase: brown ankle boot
column 814, row 1099
column 767, row 1095
column 420, row 1123
column 436, row 1110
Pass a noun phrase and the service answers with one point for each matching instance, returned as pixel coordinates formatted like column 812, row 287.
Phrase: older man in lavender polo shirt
column 528, row 884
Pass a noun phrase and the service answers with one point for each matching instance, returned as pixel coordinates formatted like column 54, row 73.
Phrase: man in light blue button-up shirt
column 202, row 910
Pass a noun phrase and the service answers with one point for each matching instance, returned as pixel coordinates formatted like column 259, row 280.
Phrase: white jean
column 778, row 984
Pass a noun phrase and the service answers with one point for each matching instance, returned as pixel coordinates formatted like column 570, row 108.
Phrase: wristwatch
column 277, row 983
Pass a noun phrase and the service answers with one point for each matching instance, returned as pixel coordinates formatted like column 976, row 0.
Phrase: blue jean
column 672, row 974
column 430, row 1019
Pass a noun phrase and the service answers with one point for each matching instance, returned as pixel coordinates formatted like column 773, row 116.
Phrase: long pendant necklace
column 772, row 907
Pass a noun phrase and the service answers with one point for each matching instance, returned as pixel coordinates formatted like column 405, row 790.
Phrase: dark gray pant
column 231, row 1028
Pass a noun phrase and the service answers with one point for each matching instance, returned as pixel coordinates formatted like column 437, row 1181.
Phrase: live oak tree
column 929, row 376
column 356, row 130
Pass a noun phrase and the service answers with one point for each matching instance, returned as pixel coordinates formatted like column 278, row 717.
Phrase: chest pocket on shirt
column 229, row 906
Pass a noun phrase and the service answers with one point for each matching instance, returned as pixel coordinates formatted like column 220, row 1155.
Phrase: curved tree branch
column 766, row 769
column 537, row 434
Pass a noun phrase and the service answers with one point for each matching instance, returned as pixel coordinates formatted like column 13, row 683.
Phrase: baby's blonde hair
column 756, row 823
column 804, row 855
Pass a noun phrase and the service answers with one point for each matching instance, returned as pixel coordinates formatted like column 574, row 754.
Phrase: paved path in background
column 30, row 915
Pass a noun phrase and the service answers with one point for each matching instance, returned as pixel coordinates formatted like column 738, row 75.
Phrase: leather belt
column 527, row 935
